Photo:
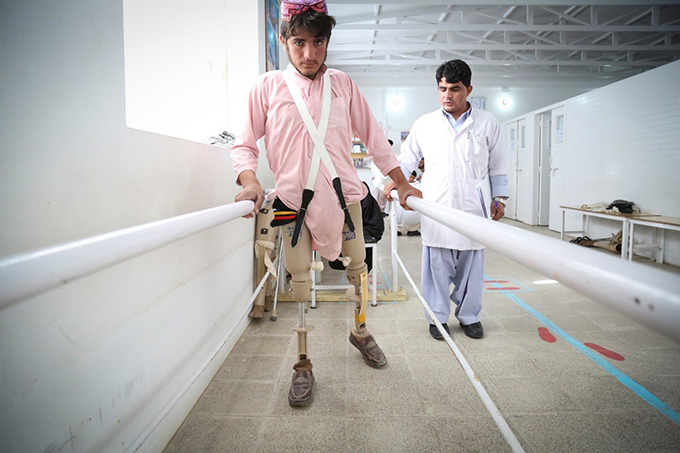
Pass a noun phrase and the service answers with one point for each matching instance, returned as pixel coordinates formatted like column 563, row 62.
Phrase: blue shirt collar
column 457, row 124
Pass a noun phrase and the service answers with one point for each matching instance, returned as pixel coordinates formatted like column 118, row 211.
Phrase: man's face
column 306, row 53
column 453, row 97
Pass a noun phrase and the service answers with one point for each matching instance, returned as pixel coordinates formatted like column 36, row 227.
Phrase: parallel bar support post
column 393, row 243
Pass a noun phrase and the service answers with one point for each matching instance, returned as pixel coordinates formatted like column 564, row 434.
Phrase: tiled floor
column 556, row 397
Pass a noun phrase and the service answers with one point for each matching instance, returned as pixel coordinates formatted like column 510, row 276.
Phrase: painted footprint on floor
column 605, row 352
column 501, row 288
column 547, row 336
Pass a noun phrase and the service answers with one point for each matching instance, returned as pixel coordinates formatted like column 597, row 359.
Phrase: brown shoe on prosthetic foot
column 359, row 337
column 369, row 349
column 300, row 393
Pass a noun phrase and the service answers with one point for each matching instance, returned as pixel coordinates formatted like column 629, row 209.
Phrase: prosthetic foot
column 360, row 338
column 300, row 393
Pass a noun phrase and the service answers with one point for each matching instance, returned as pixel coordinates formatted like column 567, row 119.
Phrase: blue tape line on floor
column 639, row 390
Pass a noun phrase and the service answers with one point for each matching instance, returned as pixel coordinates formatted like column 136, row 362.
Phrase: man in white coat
column 466, row 167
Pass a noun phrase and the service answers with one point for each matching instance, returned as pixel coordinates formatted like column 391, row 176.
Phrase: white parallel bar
column 33, row 273
column 151, row 427
column 649, row 295
column 486, row 399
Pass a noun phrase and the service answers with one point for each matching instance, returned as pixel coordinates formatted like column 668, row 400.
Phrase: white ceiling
column 585, row 44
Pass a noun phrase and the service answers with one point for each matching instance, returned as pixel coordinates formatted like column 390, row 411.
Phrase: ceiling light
column 395, row 102
column 505, row 102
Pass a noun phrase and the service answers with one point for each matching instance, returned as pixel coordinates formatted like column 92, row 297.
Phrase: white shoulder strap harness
column 320, row 151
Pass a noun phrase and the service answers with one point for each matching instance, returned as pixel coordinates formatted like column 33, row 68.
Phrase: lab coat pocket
column 474, row 197
column 477, row 154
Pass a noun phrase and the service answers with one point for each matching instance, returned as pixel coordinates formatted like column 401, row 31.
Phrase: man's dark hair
column 454, row 71
column 318, row 25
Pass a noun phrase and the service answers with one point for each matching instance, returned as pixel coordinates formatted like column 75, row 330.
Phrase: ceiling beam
column 564, row 16
column 386, row 15
column 503, row 2
column 356, row 47
column 429, row 73
column 336, row 60
column 444, row 27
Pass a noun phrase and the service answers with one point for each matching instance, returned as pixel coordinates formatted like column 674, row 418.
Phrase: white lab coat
column 455, row 163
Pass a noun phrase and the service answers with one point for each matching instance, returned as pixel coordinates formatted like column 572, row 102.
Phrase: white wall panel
column 88, row 366
column 526, row 176
column 510, row 138
column 175, row 67
column 418, row 100
column 558, row 168
column 623, row 141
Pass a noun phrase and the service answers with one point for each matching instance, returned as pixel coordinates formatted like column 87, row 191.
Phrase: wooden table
column 625, row 219
column 658, row 245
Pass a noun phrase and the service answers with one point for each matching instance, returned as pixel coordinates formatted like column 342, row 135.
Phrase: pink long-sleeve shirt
column 272, row 113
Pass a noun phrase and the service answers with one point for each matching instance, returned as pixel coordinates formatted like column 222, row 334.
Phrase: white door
column 557, row 164
column 511, row 143
column 544, row 145
column 525, row 197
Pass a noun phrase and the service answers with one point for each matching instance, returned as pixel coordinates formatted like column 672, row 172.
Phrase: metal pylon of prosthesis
column 302, row 330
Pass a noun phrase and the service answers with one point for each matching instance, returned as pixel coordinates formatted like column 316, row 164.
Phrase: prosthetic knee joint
column 301, row 294
column 359, row 294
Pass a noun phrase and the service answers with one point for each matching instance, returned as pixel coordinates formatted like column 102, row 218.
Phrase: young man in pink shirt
column 307, row 114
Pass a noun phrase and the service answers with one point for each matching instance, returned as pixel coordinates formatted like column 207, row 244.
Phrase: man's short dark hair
column 454, row 71
column 318, row 25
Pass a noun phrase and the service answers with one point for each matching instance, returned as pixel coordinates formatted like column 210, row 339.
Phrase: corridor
column 566, row 373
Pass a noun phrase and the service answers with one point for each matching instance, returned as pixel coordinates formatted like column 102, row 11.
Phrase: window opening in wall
column 543, row 123
column 521, row 137
column 559, row 129
column 175, row 68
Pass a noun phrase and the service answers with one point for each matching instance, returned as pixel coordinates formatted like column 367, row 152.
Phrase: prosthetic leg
column 298, row 263
column 359, row 337
column 264, row 251
column 300, row 393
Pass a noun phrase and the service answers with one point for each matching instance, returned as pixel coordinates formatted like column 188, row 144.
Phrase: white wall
column 418, row 100
column 88, row 366
column 622, row 141
column 175, row 55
